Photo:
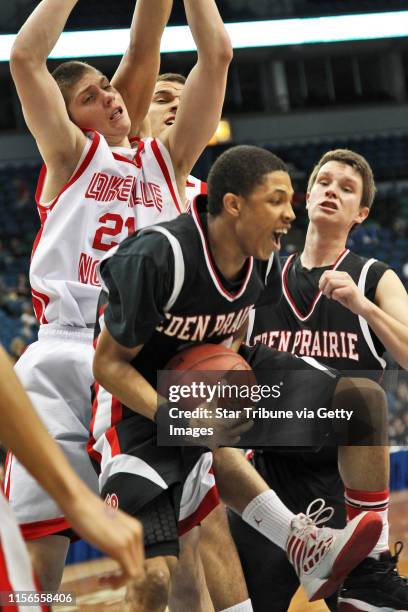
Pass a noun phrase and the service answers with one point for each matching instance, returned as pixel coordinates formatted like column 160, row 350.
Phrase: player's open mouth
column 329, row 205
column 276, row 236
column 170, row 120
column 117, row 113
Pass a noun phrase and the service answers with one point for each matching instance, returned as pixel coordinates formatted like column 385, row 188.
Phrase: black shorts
column 170, row 489
column 298, row 478
column 302, row 388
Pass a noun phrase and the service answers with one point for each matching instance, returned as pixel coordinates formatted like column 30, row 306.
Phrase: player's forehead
column 173, row 88
column 91, row 77
column 340, row 171
column 278, row 180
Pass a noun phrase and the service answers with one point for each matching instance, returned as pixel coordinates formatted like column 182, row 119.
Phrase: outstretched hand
column 115, row 533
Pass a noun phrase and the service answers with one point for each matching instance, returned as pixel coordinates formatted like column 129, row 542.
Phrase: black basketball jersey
column 166, row 293
column 307, row 323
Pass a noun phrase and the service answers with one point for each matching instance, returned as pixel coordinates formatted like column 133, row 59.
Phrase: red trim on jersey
column 116, row 411
column 135, row 161
column 318, row 295
column 207, row 505
column 134, row 139
column 40, row 303
column 112, row 438
column 166, row 174
column 7, row 471
column 43, row 211
column 5, row 584
column 38, row 529
column 79, row 171
column 213, row 273
column 93, row 454
column 203, row 186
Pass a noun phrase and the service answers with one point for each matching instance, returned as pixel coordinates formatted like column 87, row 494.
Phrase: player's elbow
column 101, row 369
column 219, row 53
column 223, row 53
column 21, row 59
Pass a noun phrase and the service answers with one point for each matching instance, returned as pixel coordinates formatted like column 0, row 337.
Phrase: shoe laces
column 308, row 542
column 390, row 565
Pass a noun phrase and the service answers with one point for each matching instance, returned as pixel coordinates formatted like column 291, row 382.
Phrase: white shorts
column 56, row 372
column 16, row 573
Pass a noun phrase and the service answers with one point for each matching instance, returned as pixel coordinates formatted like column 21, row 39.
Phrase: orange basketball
column 209, row 365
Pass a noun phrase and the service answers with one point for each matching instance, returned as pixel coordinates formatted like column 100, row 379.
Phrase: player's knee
column 368, row 402
column 156, row 582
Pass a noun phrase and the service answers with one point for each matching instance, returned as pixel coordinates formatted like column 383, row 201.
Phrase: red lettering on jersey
column 87, row 270
column 148, row 202
column 156, row 195
column 126, row 188
column 111, row 189
column 97, row 185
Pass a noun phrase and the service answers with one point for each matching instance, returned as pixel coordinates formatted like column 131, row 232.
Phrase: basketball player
column 116, row 534
column 220, row 558
column 163, row 114
column 175, row 284
column 94, row 192
column 346, row 311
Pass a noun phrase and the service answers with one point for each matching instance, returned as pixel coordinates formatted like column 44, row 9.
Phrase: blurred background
column 297, row 100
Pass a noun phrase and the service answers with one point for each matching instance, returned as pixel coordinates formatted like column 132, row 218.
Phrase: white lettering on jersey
column 316, row 343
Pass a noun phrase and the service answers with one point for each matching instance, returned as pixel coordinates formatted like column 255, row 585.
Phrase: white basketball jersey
column 194, row 187
column 112, row 193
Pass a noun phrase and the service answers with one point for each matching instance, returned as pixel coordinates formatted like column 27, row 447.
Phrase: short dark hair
column 173, row 77
column 239, row 170
column 68, row 74
column 356, row 161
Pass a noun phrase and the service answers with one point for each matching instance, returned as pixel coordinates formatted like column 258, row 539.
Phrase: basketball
column 208, row 357
column 198, row 369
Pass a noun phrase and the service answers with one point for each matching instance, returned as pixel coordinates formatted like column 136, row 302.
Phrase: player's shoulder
column 369, row 262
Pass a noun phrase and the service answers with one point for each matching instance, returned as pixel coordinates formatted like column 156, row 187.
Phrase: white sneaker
column 321, row 556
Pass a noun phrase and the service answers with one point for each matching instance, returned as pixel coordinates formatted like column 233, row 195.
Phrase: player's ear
column 232, row 204
column 307, row 199
column 362, row 214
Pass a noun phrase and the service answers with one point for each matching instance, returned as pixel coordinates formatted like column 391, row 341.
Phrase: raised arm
column 203, row 95
column 137, row 72
column 117, row 534
column 59, row 140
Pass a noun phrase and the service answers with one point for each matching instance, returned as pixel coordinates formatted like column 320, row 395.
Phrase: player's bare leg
column 188, row 584
column 151, row 592
column 48, row 556
column 223, row 571
column 365, row 467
